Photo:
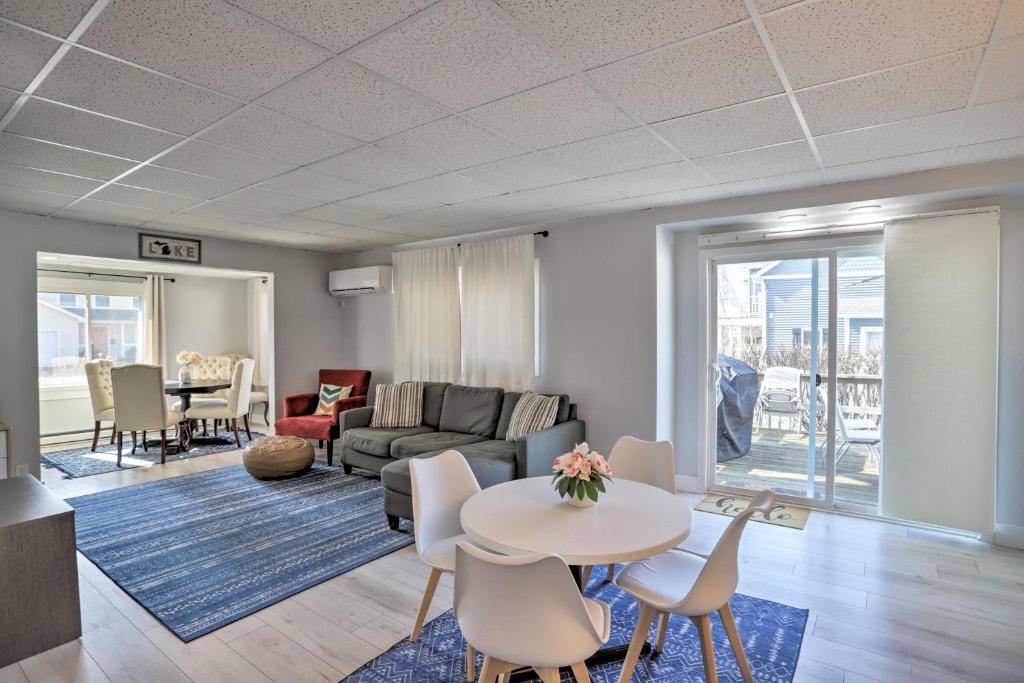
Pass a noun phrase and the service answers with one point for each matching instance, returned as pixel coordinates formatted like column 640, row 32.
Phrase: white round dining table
column 631, row 521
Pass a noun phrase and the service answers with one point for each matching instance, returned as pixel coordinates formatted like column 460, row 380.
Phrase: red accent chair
column 299, row 419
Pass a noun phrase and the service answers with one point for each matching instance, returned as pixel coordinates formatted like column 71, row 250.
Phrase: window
column 101, row 302
column 802, row 336
column 870, row 338
column 755, row 287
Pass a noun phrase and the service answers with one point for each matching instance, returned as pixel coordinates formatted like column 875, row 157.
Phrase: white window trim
column 864, row 331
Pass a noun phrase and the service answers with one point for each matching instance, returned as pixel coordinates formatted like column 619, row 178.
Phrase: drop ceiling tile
column 344, row 215
column 759, row 163
column 278, row 202
column 22, row 55
column 207, row 42
column 28, row 200
column 553, row 114
column 460, row 214
column 52, row 122
column 22, row 176
column 398, row 224
column 134, row 196
column 51, row 157
column 261, row 131
column 393, row 200
column 325, row 188
column 7, row 98
column 451, row 143
column 219, row 162
column 1013, row 18
column 334, row 25
column 350, row 232
column 988, row 151
column 298, row 224
column 346, row 98
column 446, row 189
column 91, row 81
column 214, row 211
column 920, row 89
column 523, row 172
column 775, row 183
column 730, row 129
column 571, row 194
column 592, row 33
column 462, row 54
column 663, row 178
column 192, row 230
column 107, row 212
column 374, row 165
column 623, row 151
column 994, row 121
column 718, row 69
column 179, row 182
column 887, row 167
column 58, row 17
column 1002, row 78
column 910, row 136
column 255, row 232
column 506, row 205
column 770, row 5
column 832, row 39
column 188, row 221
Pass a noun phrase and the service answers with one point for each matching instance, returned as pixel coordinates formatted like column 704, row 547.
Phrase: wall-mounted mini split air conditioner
column 369, row 280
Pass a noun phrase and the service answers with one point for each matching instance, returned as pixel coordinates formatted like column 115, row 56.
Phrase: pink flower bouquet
column 580, row 475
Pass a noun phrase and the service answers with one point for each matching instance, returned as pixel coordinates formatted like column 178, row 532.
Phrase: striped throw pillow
column 398, row 405
column 532, row 413
column 329, row 395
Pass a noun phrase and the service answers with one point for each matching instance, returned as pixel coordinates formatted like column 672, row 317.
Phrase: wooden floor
column 778, row 458
column 888, row 603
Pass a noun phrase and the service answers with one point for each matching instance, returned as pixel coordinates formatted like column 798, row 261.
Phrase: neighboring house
column 61, row 335
column 113, row 321
column 787, row 304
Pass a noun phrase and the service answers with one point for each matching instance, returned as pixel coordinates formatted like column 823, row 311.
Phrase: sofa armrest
column 341, row 405
column 536, row 452
column 300, row 404
column 354, row 418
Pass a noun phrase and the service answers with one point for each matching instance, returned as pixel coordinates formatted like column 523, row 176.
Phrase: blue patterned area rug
column 772, row 635
column 203, row 550
column 82, row 462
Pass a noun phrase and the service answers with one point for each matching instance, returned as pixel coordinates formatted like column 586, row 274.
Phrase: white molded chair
column 139, row 404
column 235, row 406
column 101, row 394
column 678, row 582
column 526, row 610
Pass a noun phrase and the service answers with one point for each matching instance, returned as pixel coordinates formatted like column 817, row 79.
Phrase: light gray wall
column 205, row 314
column 307, row 318
column 1010, row 432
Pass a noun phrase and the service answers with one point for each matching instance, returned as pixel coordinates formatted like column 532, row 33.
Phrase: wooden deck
column 778, row 458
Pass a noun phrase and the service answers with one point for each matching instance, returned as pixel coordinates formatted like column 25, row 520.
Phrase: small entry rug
column 82, row 462
column 203, row 550
column 772, row 635
column 781, row 515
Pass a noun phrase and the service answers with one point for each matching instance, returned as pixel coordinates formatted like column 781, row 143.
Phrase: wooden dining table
column 185, row 391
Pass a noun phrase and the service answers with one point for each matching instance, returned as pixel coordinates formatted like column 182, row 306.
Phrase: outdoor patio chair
column 780, row 396
column 872, row 438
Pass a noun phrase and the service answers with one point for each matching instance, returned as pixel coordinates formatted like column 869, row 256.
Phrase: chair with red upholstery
column 299, row 419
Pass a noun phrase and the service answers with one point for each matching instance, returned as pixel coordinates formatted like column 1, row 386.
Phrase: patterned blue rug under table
column 772, row 634
column 203, row 550
column 75, row 463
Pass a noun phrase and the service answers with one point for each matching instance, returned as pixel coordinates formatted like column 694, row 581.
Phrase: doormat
column 781, row 515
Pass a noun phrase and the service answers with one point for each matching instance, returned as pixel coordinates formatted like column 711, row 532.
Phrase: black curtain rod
column 539, row 233
column 83, row 272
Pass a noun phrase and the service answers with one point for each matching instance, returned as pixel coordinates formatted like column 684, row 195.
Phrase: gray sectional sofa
column 473, row 421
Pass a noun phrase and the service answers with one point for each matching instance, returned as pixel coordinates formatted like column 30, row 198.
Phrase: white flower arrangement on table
column 186, row 359
column 580, row 475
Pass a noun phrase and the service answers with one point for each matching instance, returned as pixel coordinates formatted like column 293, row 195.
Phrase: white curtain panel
column 498, row 313
column 155, row 325
column 427, row 344
column 939, row 389
column 261, row 331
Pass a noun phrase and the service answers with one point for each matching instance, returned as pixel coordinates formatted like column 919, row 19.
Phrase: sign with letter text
column 163, row 248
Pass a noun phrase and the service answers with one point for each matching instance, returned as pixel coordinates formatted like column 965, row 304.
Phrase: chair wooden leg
column 581, row 673
column 216, row 423
column 120, row 445
column 163, row 446
column 113, row 432
column 330, row 452
column 585, row 575
column 659, row 642
column 643, row 625
column 548, row 674
column 266, row 413
column 145, row 448
column 610, row 574
column 493, row 669
column 245, row 419
column 470, row 663
column 707, row 647
column 737, row 644
column 234, row 428
column 428, row 595
column 134, row 441
column 95, row 436
column 320, row 443
column 205, row 432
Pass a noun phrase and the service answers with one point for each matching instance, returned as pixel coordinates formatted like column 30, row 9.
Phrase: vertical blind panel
column 939, row 395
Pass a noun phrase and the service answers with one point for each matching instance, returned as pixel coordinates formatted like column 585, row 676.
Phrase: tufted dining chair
column 101, row 394
column 235, row 406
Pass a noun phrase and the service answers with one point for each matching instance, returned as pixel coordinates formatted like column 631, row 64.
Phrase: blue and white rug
column 772, row 634
column 203, row 550
column 82, row 462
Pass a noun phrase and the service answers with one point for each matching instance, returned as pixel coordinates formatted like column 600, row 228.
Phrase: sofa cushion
column 508, row 405
column 306, row 426
column 378, row 441
column 433, row 399
column 398, row 406
column 492, row 462
column 408, row 446
column 471, row 410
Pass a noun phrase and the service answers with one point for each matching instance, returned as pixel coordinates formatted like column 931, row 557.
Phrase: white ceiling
column 340, row 126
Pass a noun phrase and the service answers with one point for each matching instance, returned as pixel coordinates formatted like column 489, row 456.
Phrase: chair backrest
column 139, row 401
column 212, row 367
column 440, row 485
column 524, row 609
column 720, row 575
column 241, row 387
column 101, row 391
column 649, row 462
column 234, row 357
column 359, row 380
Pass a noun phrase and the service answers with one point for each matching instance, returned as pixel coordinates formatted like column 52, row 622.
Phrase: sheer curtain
column 261, row 331
column 155, row 328
column 427, row 343
column 497, row 313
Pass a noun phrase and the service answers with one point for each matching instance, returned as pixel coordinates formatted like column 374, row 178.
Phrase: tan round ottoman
column 273, row 457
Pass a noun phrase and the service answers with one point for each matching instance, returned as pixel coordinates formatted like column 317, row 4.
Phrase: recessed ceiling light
column 792, row 216
column 864, row 208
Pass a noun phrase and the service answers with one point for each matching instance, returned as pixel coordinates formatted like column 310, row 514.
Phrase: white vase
column 575, row 502
column 185, row 373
